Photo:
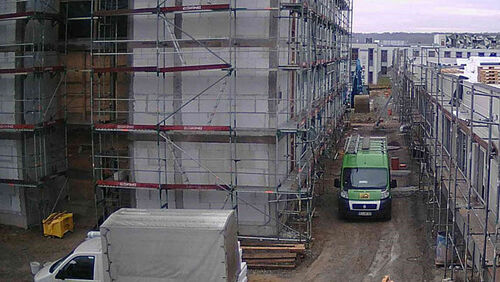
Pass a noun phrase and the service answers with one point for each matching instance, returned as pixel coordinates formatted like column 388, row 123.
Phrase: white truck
column 155, row 245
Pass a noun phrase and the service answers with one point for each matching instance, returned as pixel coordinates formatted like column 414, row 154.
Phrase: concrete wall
column 251, row 91
column 252, row 175
column 259, row 91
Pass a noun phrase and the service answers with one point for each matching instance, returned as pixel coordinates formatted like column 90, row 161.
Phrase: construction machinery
column 360, row 94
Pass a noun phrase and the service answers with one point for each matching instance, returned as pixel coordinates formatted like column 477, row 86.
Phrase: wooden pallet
column 272, row 255
column 489, row 75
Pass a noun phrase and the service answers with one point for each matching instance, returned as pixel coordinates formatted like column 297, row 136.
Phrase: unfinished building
column 32, row 120
column 218, row 105
column 191, row 104
column 455, row 137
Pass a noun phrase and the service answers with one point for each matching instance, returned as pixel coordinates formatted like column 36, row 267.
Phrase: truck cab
column 82, row 264
column 365, row 179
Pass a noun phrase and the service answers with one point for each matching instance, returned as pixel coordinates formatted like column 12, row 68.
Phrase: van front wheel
column 341, row 214
column 388, row 214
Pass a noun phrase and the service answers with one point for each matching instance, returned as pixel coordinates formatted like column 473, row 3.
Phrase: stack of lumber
column 489, row 75
column 272, row 255
column 451, row 70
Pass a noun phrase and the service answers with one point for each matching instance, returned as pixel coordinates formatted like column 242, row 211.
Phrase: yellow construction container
column 57, row 224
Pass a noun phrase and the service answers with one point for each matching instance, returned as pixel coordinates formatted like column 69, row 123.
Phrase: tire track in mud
column 324, row 265
column 388, row 251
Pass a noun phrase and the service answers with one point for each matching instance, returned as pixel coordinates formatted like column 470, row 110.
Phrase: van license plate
column 365, row 213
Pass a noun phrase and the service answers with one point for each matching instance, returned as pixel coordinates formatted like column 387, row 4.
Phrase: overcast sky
column 427, row 15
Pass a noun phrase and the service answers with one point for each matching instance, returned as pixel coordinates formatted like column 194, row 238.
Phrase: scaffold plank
column 28, row 127
column 156, row 186
column 143, row 127
column 17, row 127
column 162, row 70
column 32, row 70
column 22, row 15
column 18, row 182
column 172, row 9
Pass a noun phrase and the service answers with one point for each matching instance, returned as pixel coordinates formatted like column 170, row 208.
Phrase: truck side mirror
column 61, row 274
column 336, row 183
column 394, row 183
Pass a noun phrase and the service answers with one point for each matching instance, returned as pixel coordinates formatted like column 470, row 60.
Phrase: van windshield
column 365, row 178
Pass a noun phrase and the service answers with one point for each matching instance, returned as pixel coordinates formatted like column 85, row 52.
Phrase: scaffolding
column 32, row 115
column 228, row 102
column 455, row 138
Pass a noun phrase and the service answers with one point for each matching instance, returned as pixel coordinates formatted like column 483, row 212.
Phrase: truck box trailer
column 155, row 245
column 170, row 245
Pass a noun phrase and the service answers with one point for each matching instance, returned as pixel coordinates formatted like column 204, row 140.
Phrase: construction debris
column 387, row 278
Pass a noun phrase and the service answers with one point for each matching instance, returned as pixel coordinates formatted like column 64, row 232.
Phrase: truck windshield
column 57, row 263
column 365, row 178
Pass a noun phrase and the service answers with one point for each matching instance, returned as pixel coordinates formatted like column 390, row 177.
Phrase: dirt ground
column 341, row 250
column 367, row 250
column 18, row 247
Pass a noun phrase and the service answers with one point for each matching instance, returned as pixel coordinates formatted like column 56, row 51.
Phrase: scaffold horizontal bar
column 141, row 127
column 305, row 65
column 17, row 127
column 136, row 185
column 18, row 182
column 28, row 127
column 20, row 15
column 32, row 70
column 162, row 70
column 189, row 8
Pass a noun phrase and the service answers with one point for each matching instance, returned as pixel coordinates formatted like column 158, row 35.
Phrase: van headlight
column 344, row 194
column 385, row 194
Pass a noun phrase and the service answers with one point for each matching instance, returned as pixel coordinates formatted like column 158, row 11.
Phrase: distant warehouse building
column 377, row 57
column 449, row 56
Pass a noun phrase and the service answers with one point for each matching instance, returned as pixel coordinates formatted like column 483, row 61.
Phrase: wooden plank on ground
column 270, row 261
column 269, row 244
column 297, row 249
column 268, row 255
column 271, row 265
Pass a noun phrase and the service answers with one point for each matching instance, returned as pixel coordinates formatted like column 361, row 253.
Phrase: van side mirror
column 394, row 183
column 336, row 183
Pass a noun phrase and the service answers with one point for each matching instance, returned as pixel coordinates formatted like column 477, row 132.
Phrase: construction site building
column 454, row 134
column 32, row 113
column 189, row 104
column 218, row 105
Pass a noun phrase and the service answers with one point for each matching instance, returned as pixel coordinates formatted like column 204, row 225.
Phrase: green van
column 365, row 182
